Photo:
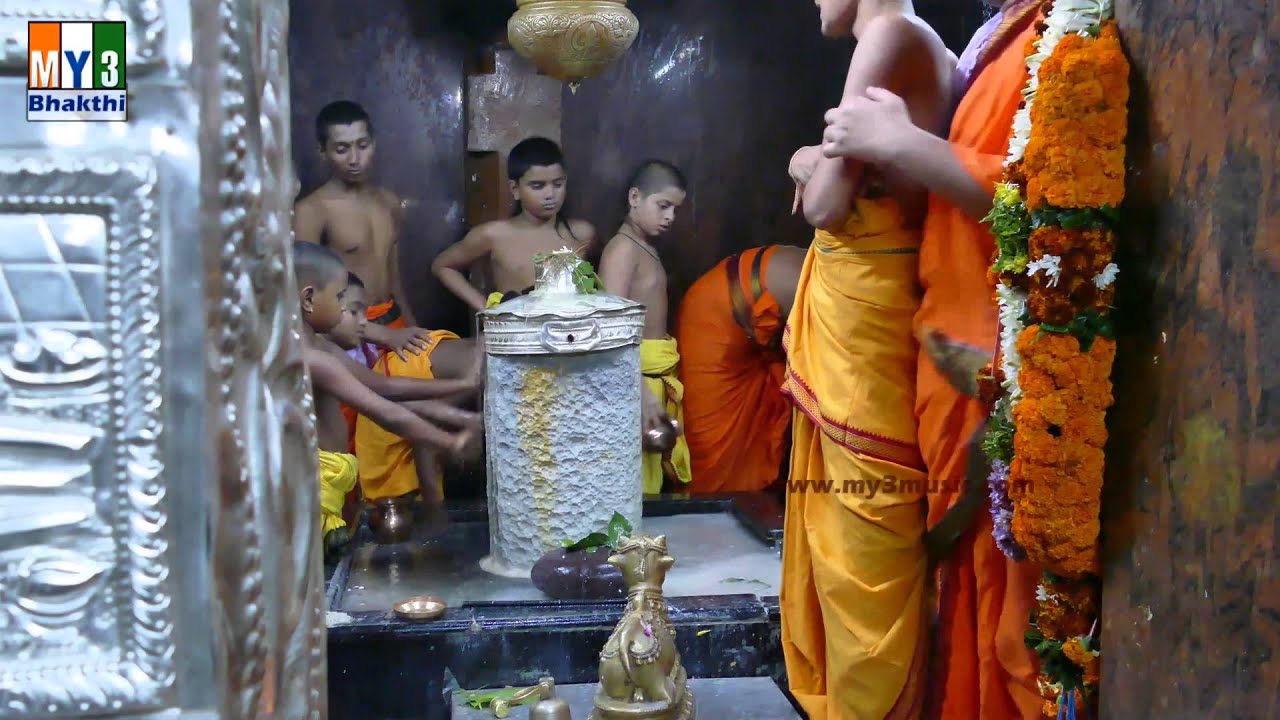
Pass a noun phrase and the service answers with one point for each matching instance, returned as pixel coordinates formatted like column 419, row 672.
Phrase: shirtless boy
column 337, row 379
column 630, row 267
column 360, row 221
column 537, row 177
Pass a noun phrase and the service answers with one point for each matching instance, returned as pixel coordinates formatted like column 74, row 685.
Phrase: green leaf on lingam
column 618, row 528
column 586, row 279
column 594, row 540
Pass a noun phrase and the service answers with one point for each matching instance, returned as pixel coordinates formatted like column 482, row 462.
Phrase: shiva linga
column 640, row 671
column 572, row 40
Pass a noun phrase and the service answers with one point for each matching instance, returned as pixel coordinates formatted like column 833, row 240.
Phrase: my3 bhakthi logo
column 76, row 72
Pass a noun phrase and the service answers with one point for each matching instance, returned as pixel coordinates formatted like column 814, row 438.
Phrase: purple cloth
column 364, row 354
column 969, row 58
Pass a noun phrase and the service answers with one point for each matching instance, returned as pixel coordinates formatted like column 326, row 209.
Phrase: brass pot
column 572, row 40
column 391, row 520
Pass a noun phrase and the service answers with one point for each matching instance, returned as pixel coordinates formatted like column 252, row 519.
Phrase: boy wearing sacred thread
column 632, row 268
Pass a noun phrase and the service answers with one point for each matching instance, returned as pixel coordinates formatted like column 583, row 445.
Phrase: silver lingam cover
column 558, row 317
column 158, row 549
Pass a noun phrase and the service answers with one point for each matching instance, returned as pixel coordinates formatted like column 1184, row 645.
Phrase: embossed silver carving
column 82, row 496
column 266, row 551
column 145, row 25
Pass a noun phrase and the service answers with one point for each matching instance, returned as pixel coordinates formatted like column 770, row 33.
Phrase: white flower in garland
column 1013, row 304
column 1104, row 279
column 1050, row 265
column 1066, row 18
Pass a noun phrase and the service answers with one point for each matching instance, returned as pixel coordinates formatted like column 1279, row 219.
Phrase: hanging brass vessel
column 572, row 40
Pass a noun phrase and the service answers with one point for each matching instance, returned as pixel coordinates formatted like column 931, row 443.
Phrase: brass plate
column 420, row 607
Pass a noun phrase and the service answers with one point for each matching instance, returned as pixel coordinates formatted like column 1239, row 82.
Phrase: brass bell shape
column 572, row 40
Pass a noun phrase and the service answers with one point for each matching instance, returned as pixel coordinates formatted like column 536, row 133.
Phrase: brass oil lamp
column 572, row 40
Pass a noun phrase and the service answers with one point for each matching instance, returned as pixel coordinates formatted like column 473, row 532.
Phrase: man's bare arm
column 934, row 163
column 450, row 266
column 877, row 128
column 886, row 46
column 334, row 379
column 617, row 265
column 308, row 220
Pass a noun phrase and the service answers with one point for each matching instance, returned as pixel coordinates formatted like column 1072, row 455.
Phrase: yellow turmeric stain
column 533, row 422
column 1205, row 476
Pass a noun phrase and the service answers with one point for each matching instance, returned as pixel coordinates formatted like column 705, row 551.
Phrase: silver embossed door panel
column 158, row 542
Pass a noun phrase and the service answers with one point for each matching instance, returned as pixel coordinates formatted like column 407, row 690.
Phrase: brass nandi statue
column 640, row 671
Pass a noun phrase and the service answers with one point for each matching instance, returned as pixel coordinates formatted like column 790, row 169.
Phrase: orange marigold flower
column 1075, row 153
column 1074, row 651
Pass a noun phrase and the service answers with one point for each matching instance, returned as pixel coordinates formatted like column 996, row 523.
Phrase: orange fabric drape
column 735, row 415
column 982, row 666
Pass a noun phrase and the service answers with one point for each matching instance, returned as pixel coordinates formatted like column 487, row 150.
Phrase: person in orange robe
column 983, row 668
column 854, row 565
column 729, row 330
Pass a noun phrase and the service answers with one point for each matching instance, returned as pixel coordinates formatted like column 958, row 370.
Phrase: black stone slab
column 739, row 698
column 384, row 668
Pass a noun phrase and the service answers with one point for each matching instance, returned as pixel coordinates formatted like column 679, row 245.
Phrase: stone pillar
column 1191, row 595
column 158, row 510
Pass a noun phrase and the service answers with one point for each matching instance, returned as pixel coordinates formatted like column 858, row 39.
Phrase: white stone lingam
column 561, row 415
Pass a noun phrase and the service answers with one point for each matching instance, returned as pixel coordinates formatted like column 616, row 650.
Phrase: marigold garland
column 1053, row 221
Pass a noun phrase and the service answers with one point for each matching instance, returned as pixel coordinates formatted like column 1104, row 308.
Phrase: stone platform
column 501, row 633
column 739, row 698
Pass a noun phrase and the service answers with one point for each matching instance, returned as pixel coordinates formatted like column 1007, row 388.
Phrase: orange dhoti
column 735, row 415
column 983, row 668
column 853, row 557
column 386, row 460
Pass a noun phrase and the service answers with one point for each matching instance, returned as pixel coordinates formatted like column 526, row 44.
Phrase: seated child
column 537, row 178
column 630, row 267
column 391, row 465
column 337, row 379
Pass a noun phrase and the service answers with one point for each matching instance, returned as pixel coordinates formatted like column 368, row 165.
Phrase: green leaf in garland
column 1086, row 327
column 998, row 443
column 1102, row 218
column 1011, row 227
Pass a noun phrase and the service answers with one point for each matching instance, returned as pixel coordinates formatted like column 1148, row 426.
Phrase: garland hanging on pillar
column 1054, row 222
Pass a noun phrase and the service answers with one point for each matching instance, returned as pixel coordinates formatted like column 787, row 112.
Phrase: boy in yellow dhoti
column 337, row 379
column 854, row 565
column 630, row 268
column 391, row 466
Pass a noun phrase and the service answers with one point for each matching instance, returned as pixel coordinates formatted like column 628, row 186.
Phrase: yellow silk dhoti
column 337, row 478
column 854, row 565
column 387, row 464
column 659, row 360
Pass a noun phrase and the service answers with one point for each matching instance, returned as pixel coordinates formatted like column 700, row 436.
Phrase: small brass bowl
column 420, row 607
